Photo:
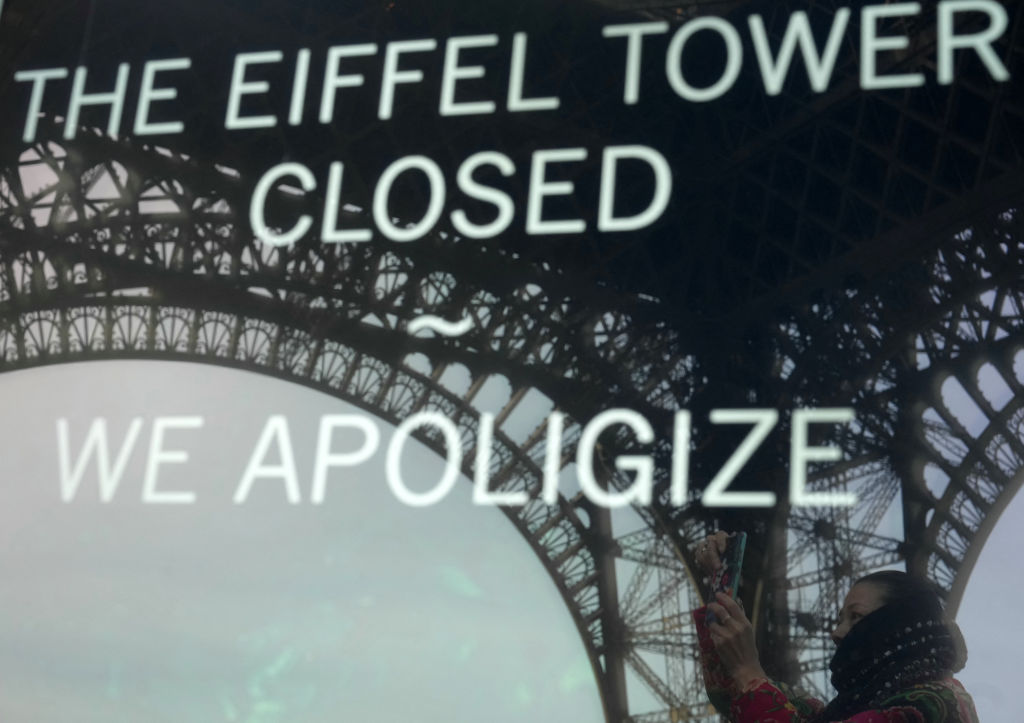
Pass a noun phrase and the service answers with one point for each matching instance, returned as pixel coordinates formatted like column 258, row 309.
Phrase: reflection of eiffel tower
column 844, row 249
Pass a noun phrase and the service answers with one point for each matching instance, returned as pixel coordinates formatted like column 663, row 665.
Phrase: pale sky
column 359, row 609
column 989, row 617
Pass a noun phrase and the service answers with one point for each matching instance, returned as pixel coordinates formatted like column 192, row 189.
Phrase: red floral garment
column 943, row 701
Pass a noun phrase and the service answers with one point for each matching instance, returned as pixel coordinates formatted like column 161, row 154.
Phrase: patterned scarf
column 899, row 645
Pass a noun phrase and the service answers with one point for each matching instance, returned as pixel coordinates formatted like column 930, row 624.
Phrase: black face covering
column 899, row 645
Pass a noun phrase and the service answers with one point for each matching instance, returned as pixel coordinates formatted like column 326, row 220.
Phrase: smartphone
column 727, row 577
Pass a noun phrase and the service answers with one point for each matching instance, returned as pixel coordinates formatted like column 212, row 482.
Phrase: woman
column 894, row 660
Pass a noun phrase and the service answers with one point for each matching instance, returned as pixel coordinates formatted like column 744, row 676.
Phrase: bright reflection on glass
column 358, row 609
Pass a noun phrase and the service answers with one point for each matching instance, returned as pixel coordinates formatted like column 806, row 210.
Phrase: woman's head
column 873, row 591
column 892, row 634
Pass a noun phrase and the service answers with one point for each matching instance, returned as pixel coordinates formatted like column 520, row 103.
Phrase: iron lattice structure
column 849, row 249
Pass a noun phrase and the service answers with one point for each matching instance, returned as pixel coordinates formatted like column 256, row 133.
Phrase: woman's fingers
column 721, row 616
column 729, row 606
column 714, row 561
column 721, row 538
column 724, row 613
column 710, row 551
column 733, row 637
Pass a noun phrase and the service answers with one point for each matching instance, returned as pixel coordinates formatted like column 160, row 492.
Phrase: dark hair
column 897, row 586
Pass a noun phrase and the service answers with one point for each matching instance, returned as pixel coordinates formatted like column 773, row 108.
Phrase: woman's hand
column 733, row 636
column 708, row 552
